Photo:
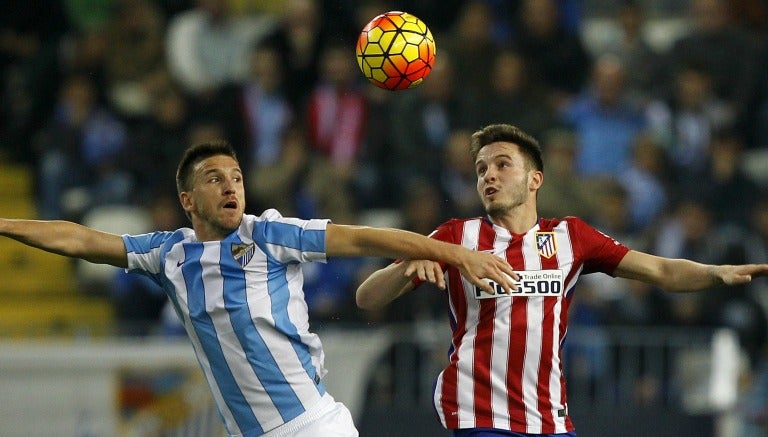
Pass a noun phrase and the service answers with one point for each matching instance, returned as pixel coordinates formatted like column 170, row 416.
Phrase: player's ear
column 535, row 179
column 186, row 201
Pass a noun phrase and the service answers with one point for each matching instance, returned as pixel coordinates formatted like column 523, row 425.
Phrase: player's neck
column 517, row 220
column 205, row 231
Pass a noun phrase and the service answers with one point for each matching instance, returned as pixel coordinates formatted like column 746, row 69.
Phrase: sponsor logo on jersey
column 532, row 283
column 242, row 253
column 545, row 244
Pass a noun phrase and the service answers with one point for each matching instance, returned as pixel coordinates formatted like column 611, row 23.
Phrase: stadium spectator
column 565, row 193
column 421, row 122
column 134, row 51
column 550, row 48
column 726, row 52
column 631, row 45
column 301, row 182
column 724, row 186
column 158, row 139
column 29, row 42
column 514, row 93
column 43, row 56
column 261, row 109
column 78, row 154
column 457, row 179
column 473, row 45
column 686, row 123
column 337, row 111
column 646, row 183
column 207, row 47
column 300, row 36
column 606, row 120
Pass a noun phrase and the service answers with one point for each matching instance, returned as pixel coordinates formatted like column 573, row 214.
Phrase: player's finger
column 410, row 269
column 507, row 281
column 507, row 285
column 429, row 273
column 439, row 277
column 484, row 285
column 423, row 273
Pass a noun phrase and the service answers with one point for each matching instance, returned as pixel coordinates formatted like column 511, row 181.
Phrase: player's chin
column 231, row 219
column 495, row 208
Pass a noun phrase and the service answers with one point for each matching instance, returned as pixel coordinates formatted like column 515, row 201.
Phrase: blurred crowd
column 649, row 138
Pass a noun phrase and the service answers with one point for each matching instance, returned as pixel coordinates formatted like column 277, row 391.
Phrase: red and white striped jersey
column 505, row 368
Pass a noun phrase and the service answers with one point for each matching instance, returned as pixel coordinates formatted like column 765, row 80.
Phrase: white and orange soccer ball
column 396, row 51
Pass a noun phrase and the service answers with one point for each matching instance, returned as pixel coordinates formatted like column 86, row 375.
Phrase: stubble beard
column 502, row 208
column 497, row 209
column 220, row 225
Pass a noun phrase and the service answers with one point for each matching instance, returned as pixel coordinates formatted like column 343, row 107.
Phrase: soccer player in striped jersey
column 235, row 282
column 504, row 376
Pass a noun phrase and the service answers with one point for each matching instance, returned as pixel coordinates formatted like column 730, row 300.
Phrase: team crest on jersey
column 545, row 244
column 242, row 253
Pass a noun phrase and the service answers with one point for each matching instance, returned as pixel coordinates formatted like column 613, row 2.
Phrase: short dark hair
column 509, row 134
column 195, row 154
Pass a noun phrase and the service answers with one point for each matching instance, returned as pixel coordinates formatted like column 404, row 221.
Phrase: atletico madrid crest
column 545, row 244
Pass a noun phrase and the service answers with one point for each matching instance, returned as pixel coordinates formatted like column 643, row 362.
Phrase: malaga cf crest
column 545, row 244
column 242, row 253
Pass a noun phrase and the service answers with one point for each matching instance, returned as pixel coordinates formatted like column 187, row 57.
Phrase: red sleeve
column 600, row 252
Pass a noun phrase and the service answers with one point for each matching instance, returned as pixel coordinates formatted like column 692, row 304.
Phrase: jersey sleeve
column 292, row 240
column 145, row 253
column 601, row 253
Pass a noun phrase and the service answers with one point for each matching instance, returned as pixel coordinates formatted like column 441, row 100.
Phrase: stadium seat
column 38, row 290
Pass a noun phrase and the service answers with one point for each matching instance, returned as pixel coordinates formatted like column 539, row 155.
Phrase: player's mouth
column 232, row 204
column 490, row 191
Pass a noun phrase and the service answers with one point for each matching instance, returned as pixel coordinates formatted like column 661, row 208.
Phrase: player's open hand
column 740, row 274
column 481, row 267
column 426, row 270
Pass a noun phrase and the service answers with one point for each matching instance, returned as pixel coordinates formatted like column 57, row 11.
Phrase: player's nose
column 229, row 186
column 490, row 174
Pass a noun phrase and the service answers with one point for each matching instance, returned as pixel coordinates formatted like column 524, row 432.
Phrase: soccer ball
column 395, row 51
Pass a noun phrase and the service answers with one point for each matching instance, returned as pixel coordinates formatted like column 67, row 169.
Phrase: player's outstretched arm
column 680, row 275
column 387, row 284
column 68, row 239
column 344, row 240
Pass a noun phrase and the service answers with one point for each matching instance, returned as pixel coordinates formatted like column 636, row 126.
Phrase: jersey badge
column 545, row 244
column 242, row 253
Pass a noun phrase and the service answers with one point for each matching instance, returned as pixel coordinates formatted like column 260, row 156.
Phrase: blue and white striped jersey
column 242, row 304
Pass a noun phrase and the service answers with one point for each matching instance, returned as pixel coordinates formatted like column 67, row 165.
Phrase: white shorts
column 327, row 419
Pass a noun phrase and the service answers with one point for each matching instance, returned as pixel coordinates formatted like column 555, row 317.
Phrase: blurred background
column 653, row 118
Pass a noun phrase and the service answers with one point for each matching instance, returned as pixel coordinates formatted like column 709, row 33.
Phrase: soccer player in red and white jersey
column 505, row 376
